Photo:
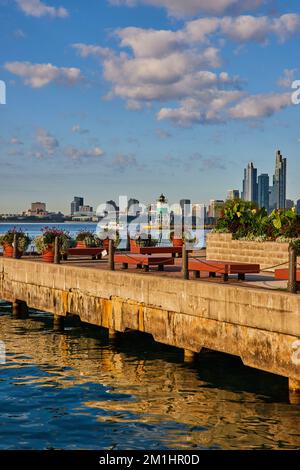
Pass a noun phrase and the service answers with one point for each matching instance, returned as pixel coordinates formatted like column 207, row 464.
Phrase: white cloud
column 39, row 75
column 16, row 141
column 47, row 141
column 75, row 153
column 77, row 129
column 37, row 8
column 122, row 162
column 86, row 50
column 182, row 8
column 260, row 106
column 287, row 78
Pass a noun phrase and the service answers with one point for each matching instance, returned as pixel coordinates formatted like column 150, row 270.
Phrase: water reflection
column 75, row 389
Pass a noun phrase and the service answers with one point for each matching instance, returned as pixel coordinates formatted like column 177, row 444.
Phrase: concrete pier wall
column 259, row 325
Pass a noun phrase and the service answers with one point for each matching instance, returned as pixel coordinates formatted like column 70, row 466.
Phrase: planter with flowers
column 7, row 240
column 105, row 235
column 86, row 239
column 45, row 243
column 141, row 240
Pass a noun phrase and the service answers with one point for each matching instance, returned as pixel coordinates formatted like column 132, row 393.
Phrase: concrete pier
column 259, row 325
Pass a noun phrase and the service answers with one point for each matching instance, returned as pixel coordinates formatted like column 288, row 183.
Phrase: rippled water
column 77, row 390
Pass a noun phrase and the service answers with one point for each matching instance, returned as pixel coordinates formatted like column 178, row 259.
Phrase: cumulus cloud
column 260, row 106
column 179, row 67
column 75, row 153
column 122, row 162
column 16, row 141
column 182, row 8
column 87, row 50
column 77, row 129
column 47, row 141
column 38, row 8
column 39, row 75
column 286, row 80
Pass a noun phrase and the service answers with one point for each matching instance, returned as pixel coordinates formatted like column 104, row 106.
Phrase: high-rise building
column 298, row 206
column 263, row 191
column 280, row 181
column 216, row 207
column 76, row 203
column 250, row 188
column 289, row 204
column 233, row 194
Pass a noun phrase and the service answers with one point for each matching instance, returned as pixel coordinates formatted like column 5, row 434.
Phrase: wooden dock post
column 56, row 251
column 15, row 246
column 292, row 284
column 185, row 262
column 111, row 254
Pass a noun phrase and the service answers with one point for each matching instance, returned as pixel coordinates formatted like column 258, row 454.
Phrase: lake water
column 78, row 390
column 34, row 230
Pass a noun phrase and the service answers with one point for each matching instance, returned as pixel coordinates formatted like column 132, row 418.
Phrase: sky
column 139, row 97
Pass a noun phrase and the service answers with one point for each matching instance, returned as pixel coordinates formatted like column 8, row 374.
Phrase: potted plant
column 45, row 243
column 142, row 240
column 7, row 241
column 176, row 241
column 105, row 235
column 86, row 239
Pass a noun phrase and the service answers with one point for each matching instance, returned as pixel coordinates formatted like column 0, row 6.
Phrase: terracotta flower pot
column 177, row 242
column 134, row 247
column 48, row 254
column 8, row 251
column 105, row 244
column 81, row 244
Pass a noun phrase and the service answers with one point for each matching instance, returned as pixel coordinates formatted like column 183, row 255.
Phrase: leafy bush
column 8, row 239
column 90, row 239
column 47, row 239
column 245, row 221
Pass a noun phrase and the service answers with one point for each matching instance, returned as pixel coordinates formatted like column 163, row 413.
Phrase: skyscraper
column 298, row 206
column 76, row 203
column 263, row 191
column 280, row 181
column 233, row 194
column 250, row 188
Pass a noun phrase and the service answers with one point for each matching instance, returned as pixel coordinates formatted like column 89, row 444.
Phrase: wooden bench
column 222, row 267
column 143, row 261
column 95, row 253
column 283, row 274
column 157, row 250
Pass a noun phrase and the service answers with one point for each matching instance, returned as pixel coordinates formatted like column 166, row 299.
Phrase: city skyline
column 145, row 99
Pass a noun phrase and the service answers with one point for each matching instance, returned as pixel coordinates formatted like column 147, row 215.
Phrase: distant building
column 250, row 188
column 86, row 208
column 289, row 204
column 38, row 207
column 298, row 206
column 263, row 191
column 233, row 194
column 76, row 203
column 216, row 207
column 280, row 181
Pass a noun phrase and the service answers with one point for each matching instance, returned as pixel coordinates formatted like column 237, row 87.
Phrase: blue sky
column 139, row 97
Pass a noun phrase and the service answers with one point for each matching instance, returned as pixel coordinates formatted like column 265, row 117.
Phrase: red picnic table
column 283, row 274
column 157, row 250
column 222, row 267
column 143, row 261
column 94, row 252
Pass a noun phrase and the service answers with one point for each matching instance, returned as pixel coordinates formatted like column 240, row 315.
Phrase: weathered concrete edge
column 206, row 326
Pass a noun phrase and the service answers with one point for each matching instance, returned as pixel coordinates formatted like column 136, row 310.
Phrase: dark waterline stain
column 77, row 390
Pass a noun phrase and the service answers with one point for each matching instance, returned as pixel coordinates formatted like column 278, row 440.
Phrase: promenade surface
column 264, row 280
